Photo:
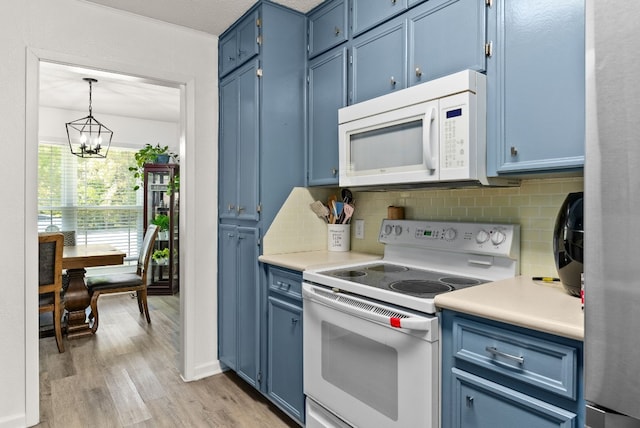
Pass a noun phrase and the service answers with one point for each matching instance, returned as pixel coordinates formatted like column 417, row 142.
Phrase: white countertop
column 520, row 301
column 316, row 259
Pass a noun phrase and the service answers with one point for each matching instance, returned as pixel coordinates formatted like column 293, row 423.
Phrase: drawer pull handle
column 284, row 285
column 494, row 351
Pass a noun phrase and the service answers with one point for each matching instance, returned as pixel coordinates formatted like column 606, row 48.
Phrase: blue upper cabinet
column 239, row 166
column 536, row 87
column 328, row 27
column 327, row 81
column 239, row 44
column 367, row 14
column 379, row 61
column 446, row 36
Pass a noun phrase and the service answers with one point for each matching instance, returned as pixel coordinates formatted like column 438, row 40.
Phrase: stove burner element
column 349, row 273
column 387, row 268
column 460, row 281
column 420, row 287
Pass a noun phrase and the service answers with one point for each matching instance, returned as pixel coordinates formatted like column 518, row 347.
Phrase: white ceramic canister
column 338, row 237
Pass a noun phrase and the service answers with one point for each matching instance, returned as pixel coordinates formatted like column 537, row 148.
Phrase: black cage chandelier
column 87, row 137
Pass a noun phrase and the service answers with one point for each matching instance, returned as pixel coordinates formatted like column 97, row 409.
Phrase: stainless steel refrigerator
column 612, row 214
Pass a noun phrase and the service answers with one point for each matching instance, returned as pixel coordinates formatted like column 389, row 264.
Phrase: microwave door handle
column 351, row 306
column 426, row 138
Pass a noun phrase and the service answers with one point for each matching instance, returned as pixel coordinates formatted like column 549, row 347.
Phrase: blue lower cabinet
column 284, row 385
column 479, row 402
column 284, row 341
column 239, row 302
column 496, row 375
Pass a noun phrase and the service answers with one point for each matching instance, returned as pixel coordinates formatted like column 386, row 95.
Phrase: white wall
column 72, row 31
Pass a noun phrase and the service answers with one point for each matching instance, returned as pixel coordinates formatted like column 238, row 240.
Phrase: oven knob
column 387, row 229
column 498, row 237
column 482, row 236
column 450, row 234
column 398, row 230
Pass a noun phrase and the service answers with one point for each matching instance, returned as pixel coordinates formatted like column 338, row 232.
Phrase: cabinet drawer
column 482, row 403
column 541, row 363
column 285, row 282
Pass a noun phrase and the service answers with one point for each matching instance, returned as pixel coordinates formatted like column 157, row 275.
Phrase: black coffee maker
column 568, row 242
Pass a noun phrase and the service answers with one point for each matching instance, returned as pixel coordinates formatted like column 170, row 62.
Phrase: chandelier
column 87, row 137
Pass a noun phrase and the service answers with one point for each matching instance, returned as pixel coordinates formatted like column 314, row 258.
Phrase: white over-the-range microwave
column 431, row 133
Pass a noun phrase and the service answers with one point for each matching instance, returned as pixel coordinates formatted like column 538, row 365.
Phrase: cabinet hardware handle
column 231, row 58
column 337, row 31
column 230, row 207
column 494, row 351
column 418, row 72
column 469, row 401
column 393, row 81
column 393, row 2
column 514, row 151
column 294, row 321
column 240, row 209
column 281, row 284
column 334, row 171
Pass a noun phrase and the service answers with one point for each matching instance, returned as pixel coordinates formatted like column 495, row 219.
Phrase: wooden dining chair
column 50, row 280
column 123, row 282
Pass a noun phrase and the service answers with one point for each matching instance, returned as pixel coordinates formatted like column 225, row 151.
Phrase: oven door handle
column 367, row 310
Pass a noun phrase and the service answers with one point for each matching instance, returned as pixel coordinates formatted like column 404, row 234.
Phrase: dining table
column 75, row 259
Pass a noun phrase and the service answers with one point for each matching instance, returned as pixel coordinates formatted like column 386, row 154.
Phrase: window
column 94, row 197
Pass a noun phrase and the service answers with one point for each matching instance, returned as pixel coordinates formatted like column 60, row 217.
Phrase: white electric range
column 371, row 353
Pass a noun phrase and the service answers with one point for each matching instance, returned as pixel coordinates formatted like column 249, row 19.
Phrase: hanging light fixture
column 87, row 137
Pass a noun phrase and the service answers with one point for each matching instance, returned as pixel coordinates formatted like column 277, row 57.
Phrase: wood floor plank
column 127, row 376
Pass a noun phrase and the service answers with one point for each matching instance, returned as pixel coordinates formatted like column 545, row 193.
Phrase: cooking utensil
column 321, row 210
column 348, row 212
column 339, row 213
column 332, row 210
column 347, row 196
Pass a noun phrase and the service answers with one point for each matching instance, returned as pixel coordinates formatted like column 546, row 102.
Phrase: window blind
column 94, row 197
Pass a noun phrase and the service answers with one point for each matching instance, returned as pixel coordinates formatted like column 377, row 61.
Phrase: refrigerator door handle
column 600, row 418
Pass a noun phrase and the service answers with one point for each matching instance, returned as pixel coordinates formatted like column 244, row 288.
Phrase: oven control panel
column 480, row 238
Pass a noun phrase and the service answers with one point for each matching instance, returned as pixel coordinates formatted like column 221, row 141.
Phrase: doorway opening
column 139, row 111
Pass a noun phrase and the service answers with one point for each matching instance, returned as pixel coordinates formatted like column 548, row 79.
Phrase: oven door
column 369, row 364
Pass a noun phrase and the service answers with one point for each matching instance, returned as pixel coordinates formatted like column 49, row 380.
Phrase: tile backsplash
column 534, row 205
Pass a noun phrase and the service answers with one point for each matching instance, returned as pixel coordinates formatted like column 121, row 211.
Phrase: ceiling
column 61, row 86
column 210, row 16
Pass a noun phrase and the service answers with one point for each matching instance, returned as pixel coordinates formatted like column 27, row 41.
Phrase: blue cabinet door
column 536, row 87
column 228, row 149
column 248, row 165
column 238, row 147
column 228, row 57
column 379, row 62
column 239, row 44
column 285, row 356
column 327, row 93
column 328, row 27
column 247, row 307
column 227, row 294
column 248, row 37
column 446, row 36
column 481, row 403
column 367, row 14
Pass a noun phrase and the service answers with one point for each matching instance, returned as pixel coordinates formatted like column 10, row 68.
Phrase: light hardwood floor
column 126, row 376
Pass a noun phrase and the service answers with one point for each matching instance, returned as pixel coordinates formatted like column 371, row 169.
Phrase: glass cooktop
column 402, row 279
